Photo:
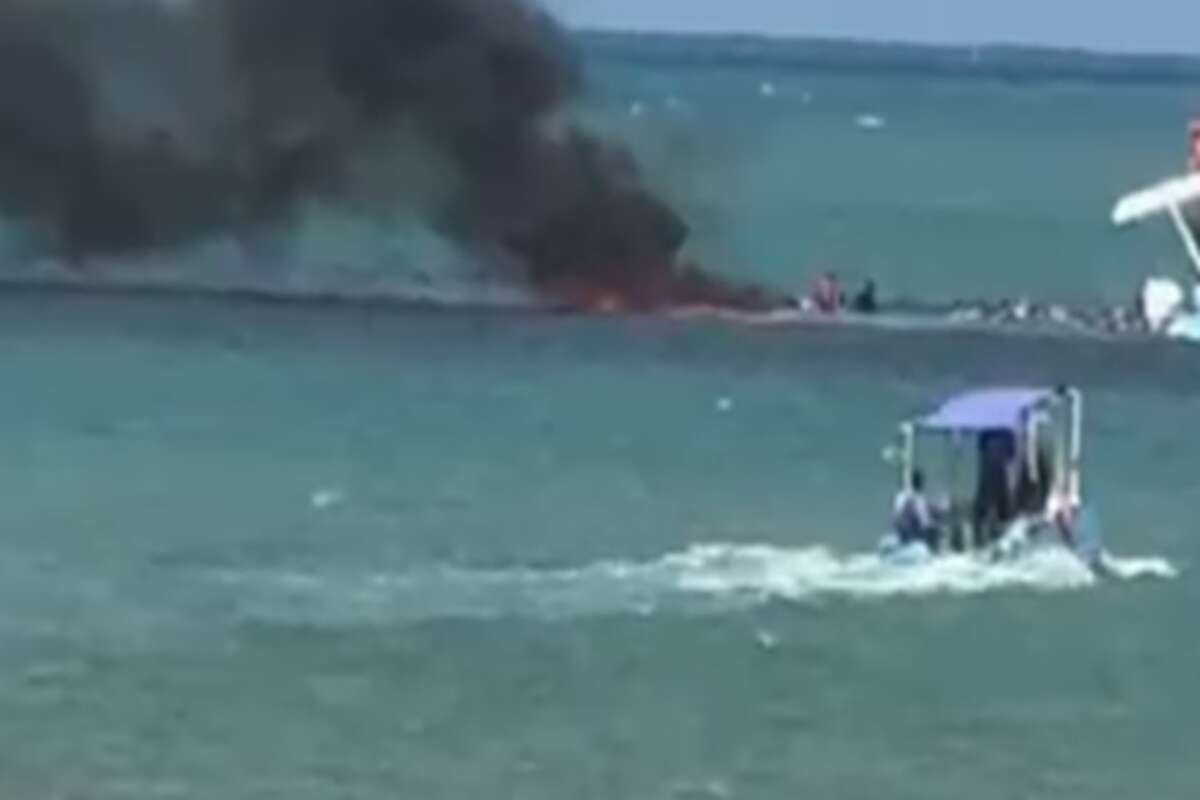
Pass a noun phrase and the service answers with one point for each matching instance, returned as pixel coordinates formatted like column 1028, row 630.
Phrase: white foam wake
column 1132, row 569
column 818, row 572
column 702, row 579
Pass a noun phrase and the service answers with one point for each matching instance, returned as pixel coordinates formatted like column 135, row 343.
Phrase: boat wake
column 704, row 579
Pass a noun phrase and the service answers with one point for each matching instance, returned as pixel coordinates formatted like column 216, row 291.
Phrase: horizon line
column 882, row 42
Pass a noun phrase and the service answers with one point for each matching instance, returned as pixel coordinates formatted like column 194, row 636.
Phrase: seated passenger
column 912, row 516
column 865, row 301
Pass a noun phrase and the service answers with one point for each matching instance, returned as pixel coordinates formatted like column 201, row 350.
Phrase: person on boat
column 1079, row 530
column 1194, row 137
column 993, row 507
column 827, row 294
column 1034, row 482
column 913, row 515
column 865, row 301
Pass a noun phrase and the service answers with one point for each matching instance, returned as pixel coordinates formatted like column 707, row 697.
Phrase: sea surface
column 938, row 187
column 260, row 551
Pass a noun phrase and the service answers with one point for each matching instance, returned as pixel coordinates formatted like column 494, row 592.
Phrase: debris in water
column 870, row 122
column 703, row 790
column 327, row 499
column 767, row 640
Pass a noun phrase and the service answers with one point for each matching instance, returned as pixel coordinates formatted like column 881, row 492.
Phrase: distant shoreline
column 1001, row 62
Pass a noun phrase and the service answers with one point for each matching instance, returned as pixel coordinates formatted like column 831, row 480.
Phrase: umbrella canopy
column 1003, row 408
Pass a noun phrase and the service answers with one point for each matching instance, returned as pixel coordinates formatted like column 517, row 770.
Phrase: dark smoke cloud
column 133, row 125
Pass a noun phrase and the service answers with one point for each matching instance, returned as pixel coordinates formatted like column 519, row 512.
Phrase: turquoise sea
column 972, row 187
column 299, row 552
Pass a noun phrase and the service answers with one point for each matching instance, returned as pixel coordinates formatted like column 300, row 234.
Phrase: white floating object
column 326, row 499
column 766, row 640
column 870, row 122
column 768, row 89
column 725, row 405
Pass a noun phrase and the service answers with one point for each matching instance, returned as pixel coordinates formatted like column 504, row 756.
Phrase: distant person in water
column 827, row 294
column 865, row 301
column 913, row 516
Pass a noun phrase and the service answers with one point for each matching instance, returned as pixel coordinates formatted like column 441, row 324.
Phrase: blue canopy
column 987, row 409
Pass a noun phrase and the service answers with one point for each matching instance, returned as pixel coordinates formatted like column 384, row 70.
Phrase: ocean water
column 315, row 552
column 972, row 188
column 267, row 552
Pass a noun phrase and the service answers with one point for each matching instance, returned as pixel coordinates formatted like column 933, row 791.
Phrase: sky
column 1118, row 25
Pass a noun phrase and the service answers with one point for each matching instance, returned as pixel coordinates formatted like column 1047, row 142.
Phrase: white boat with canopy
column 1025, row 455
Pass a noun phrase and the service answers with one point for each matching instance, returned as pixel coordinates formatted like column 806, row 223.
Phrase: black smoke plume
column 136, row 125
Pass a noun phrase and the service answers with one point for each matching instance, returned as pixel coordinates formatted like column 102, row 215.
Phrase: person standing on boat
column 1035, row 478
column 993, row 507
column 1079, row 529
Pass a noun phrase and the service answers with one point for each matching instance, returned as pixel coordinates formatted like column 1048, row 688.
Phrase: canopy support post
column 1075, row 485
column 1031, row 447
